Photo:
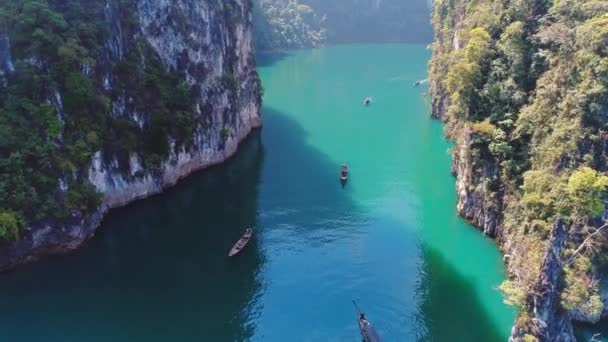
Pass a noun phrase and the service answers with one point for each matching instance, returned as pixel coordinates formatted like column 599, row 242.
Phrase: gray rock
column 206, row 39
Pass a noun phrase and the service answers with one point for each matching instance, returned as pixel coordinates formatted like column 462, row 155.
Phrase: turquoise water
column 390, row 238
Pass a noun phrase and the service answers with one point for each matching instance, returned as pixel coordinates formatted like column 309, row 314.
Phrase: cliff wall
column 201, row 47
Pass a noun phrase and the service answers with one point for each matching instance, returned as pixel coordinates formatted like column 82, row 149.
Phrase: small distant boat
column 419, row 82
column 344, row 173
column 368, row 332
column 367, row 101
column 239, row 245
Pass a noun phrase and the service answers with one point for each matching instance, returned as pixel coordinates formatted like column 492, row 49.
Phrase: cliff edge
column 136, row 95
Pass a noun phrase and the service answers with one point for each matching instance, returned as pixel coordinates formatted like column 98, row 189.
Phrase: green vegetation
column 9, row 226
column 55, row 109
column 224, row 133
column 372, row 21
column 514, row 295
column 287, row 24
column 576, row 296
column 527, row 81
column 585, row 189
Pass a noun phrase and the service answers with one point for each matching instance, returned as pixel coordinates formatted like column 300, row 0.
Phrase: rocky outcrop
column 443, row 42
column 549, row 321
column 479, row 206
column 210, row 42
column 481, row 194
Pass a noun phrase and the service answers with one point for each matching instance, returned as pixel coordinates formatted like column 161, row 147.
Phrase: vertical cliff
column 143, row 93
column 522, row 94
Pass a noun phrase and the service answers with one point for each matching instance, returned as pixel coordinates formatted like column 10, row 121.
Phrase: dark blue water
column 158, row 271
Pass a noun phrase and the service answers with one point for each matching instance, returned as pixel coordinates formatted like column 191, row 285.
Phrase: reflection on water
column 157, row 271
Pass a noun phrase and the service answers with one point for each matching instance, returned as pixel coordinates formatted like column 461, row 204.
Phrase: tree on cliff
column 287, row 24
column 56, row 107
column 528, row 81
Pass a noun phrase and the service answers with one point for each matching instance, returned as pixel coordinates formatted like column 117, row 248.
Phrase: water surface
column 390, row 238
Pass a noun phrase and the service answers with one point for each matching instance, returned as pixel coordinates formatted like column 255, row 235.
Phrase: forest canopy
column 526, row 89
column 285, row 24
column 55, row 112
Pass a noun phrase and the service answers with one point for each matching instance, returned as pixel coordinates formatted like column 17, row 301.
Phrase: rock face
column 550, row 322
column 476, row 205
column 210, row 41
column 482, row 204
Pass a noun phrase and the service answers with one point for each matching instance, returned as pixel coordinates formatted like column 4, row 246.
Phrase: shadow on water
column 269, row 58
column 302, row 184
column 368, row 258
column 585, row 332
column 450, row 309
column 158, row 269
column 316, row 238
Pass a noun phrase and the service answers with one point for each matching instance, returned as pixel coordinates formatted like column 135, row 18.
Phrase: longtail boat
column 368, row 332
column 344, row 173
column 239, row 245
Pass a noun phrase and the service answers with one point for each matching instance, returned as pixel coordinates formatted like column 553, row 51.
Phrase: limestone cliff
column 206, row 47
column 548, row 322
column 503, row 78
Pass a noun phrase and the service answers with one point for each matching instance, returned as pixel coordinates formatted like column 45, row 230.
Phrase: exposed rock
column 483, row 205
column 480, row 207
column 207, row 40
column 549, row 321
column 439, row 96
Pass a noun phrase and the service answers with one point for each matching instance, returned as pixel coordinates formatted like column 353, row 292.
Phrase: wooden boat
column 344, row 173
column 367, row 101
column 239, row 245
column 368, row 332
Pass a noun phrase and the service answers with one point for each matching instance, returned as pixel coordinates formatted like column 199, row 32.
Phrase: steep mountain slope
column 107, row 101
column 523, row 89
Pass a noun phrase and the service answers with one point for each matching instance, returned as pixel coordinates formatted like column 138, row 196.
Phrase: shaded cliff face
column 179, row 86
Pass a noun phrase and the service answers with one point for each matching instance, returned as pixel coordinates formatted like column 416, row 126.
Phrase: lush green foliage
column 285, row 24
column 34, row 152
column 9, row 226
column 514, row 295
column 55, row 109
column 586, row 189
column 581, row 290
column 529, row 81
column 374, row 21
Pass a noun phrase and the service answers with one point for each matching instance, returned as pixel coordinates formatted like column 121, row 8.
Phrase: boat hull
column 241, row 244
column 368, row 332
